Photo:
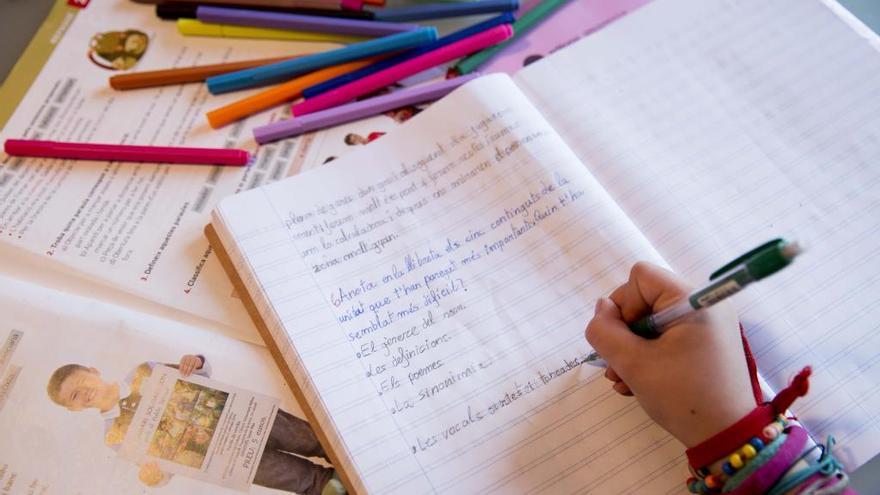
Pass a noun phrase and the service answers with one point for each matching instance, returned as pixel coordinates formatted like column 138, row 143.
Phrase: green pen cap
column 764, row 260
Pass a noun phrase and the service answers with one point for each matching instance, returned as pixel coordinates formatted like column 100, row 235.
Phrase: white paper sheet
column 722, row 125
column 433, row 305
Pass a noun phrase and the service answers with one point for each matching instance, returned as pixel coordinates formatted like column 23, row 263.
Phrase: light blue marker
column 283, row 71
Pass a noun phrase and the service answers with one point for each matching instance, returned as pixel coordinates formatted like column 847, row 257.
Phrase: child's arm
column 694, row 382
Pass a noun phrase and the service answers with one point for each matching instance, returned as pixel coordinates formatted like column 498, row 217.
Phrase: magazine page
column 75, row 380
column 135, row 226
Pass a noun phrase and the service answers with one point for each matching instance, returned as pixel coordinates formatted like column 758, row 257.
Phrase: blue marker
column 312, row 91
column 441, row 10
column 283, row 71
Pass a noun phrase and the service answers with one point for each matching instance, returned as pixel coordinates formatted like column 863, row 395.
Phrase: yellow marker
column 192, row 27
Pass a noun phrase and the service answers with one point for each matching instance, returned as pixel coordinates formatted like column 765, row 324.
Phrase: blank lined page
column 431, row 293
column 717, row 126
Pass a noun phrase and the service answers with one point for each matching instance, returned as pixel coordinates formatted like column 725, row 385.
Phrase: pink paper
column 567, row 25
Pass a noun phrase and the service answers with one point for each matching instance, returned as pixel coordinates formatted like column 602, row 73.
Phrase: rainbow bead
column 728, row 469
column 756, row 443
column 735, row 460
column 693, row 485
column 769, row 432
column 748, row 451
column 713, row 481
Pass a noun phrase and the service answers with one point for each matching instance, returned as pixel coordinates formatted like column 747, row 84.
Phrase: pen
column 357, row 110
column 284, row 71
column 378, row 80
column 181, row 75
column 281, row 20
column 126, row 153
column 761, row 262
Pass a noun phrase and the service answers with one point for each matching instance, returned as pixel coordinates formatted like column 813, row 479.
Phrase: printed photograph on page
column 122, row 405
column 190, row 426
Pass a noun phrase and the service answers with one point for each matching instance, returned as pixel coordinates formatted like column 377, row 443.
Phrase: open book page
column 720, row 125
column 430, row 293
column 136, row 227
column 59, row 437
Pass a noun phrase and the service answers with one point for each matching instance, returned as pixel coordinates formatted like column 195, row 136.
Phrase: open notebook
column 427, row 295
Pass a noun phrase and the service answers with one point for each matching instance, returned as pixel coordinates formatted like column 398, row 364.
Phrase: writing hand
column 693, row 379
column 188, row 364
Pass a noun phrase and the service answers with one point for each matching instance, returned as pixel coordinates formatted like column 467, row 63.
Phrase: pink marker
column 391, row 75
column 126, row 153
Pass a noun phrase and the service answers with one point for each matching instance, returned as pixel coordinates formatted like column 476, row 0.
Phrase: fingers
column 649, row 288
column 619, row 385
column 188, row 364
column 622, row 389
column 609, row 335
column 612, row 375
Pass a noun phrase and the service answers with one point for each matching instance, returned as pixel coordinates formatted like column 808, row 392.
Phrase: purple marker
column 357, row 110
column 281, row 20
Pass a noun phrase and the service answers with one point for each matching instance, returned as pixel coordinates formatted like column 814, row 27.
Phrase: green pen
column 761, row 262
column 521, row 26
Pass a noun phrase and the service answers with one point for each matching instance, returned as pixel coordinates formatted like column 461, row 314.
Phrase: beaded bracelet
column 704, row 483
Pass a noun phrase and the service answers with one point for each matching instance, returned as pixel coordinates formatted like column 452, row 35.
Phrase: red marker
column 126, row 153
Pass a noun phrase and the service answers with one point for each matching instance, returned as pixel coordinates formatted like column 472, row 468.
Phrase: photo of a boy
column 283, row 464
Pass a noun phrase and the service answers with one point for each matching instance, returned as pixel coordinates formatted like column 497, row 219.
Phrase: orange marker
column 281, row 93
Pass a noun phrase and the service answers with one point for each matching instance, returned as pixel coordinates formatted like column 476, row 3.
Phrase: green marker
column 520, row 27
column 761, row 262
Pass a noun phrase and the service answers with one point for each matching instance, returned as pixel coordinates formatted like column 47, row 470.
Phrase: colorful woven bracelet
column 704, row 483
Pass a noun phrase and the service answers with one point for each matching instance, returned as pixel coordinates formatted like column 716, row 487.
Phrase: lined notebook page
column 431, row 293
column 720, row 125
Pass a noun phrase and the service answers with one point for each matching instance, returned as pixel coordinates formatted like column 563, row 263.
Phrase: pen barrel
column 278, row 20
column 311, row 92
column 722, row 288
column 282, row 71
column 358, row 110
column 645, row 328
column 652, row 326
column 148, row 79
column 126, row 153
column 443, row 10
column 350, row 91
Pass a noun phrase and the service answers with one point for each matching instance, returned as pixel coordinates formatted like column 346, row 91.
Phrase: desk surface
column 21, row 18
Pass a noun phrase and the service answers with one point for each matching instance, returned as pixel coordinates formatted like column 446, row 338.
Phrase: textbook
column 214, row 431
column 426, row 296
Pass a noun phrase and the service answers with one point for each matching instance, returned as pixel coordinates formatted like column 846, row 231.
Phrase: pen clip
column 742, row 259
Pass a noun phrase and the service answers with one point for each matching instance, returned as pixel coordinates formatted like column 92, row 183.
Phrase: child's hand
column 693, row 379
column 188, row 364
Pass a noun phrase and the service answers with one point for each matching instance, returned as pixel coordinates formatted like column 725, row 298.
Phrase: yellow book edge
column 275, row 351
